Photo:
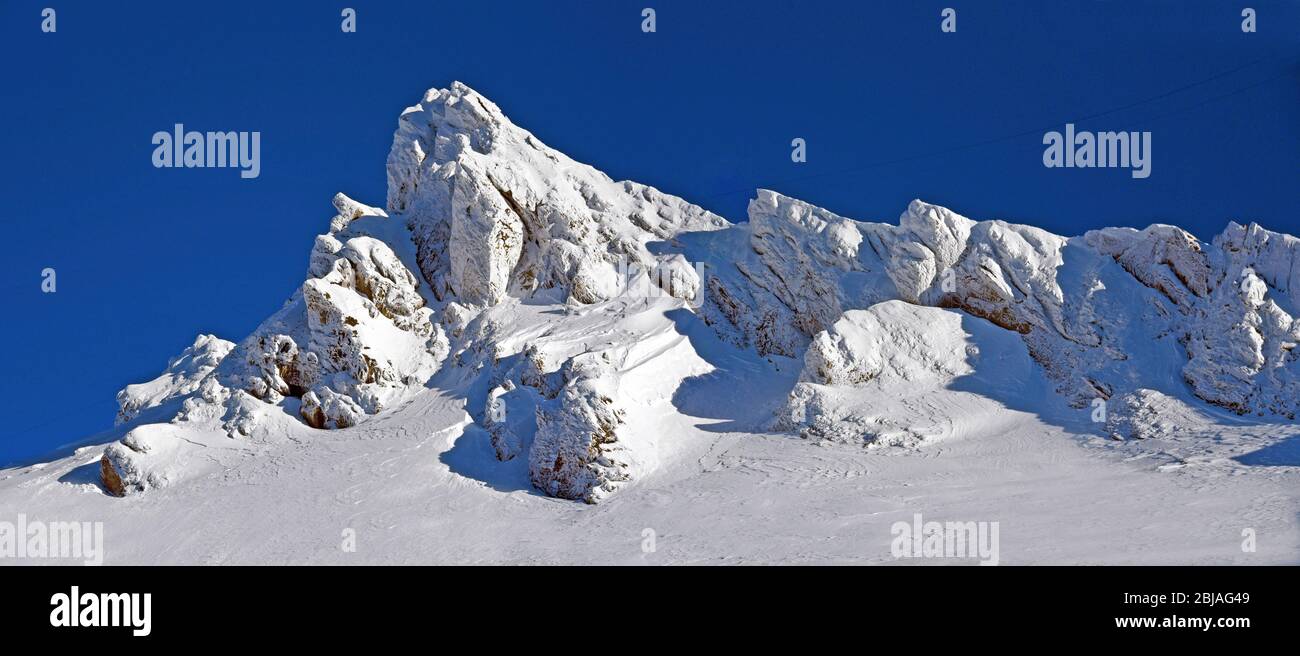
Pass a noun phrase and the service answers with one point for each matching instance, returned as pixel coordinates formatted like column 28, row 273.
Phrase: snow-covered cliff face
column 355, row 339
column 552, row 300
column 495, row 212
column 1103, row 313
column 1243, row 348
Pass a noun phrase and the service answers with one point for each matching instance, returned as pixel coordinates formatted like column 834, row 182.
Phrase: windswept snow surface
column 424, row 486
column 520, row 360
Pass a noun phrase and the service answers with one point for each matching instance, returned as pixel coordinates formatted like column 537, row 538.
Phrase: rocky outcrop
column 1242, row 351
column 1236, row 297
column 330, row 409
column 109, row 477
column 357, row 337
column 145, row 459
column 1273, row 256
column 1148, row 414
column 803, row 251
column 181, row 377
column 494, row 211
column 1080, row 319
column 575, row 454
column 894, row 348
column 1163, row 257
column 808, row 266
column 890, row 343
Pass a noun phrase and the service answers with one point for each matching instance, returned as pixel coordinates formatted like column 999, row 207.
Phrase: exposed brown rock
column 109, row 476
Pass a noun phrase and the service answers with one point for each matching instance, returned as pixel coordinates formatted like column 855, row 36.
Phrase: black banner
column 941, row 606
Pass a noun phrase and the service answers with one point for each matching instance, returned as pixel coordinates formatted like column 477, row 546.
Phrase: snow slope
column 516, row 332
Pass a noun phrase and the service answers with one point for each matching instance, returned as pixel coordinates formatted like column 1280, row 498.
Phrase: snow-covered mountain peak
column 571, row 317
column 494, row 211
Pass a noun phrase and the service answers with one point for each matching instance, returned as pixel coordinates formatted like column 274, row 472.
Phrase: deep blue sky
column 705, row 108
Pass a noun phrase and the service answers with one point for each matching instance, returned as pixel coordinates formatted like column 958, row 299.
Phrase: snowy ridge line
column 498, row 275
